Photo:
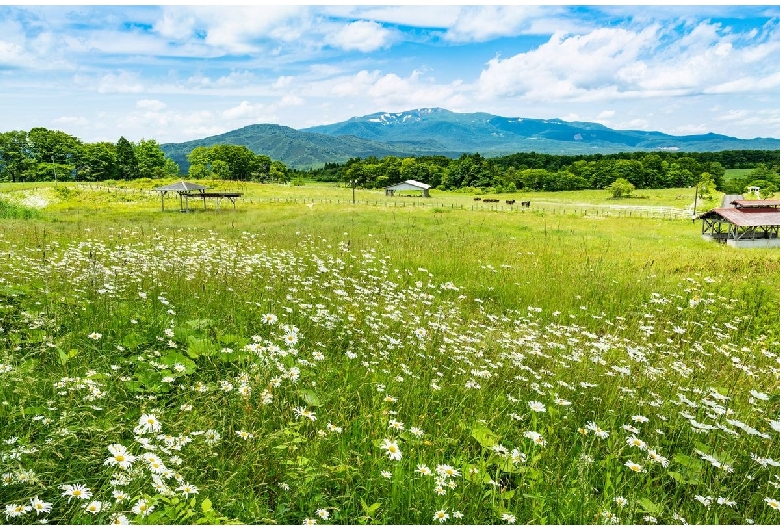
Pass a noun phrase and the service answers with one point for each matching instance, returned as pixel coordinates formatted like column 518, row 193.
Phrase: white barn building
column 408, row 185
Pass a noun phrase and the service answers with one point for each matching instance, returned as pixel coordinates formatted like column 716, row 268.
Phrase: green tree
column 171, row 168
column 127, row 163
column 620, row 188
column 98, row 162
column 220, row 170
column 150, row 159
column 706, row 186
column 14, row 156
column 198, row 171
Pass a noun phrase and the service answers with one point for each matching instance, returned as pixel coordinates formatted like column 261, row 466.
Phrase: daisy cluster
column 144, row 376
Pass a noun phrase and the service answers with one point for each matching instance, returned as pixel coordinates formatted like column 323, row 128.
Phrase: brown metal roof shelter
column 749, row 223
column 185, row 190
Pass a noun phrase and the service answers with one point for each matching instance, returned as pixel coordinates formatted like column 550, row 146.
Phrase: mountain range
column 436, row 131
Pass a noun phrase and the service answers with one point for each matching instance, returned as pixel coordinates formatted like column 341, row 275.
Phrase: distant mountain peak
column 438, row 131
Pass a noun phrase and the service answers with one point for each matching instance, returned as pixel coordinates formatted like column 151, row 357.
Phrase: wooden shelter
column 188, row 189
column 746, row 224
column 408, row 185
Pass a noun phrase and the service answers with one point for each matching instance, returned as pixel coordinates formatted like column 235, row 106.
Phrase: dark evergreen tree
column 125, row 159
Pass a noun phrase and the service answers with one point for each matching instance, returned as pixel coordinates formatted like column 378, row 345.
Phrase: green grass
column 379, row 318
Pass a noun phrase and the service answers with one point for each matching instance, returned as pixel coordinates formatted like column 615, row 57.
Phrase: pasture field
column 322, row 362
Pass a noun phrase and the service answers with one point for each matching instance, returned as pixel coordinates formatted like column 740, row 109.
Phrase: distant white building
column 408, row 185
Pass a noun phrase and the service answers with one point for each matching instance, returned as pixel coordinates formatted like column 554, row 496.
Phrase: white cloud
column 481, row 23
column 154, row 105
column 71, row 120
column 242, row 111
column 422, row 16
column 291, row 100
column 123, row 82
column 362, row 35
column 12, row 54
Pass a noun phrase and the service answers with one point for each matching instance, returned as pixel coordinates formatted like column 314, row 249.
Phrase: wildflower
column 727, row 502
column 118, row 518
column 657, row 458
column 212, row 437
column 15, row 510
column 537, row 406
column 441, row 516
column 269, row 318
column 500, row 450
column 143, row 507
column 562, row 402
column 244, row 435
column 772, row 503
column 93, row 507
column 509, row 518
column 76, row 491
column 284, row 486
column 633, row 466
column 323, row 514
column 640, row 419
column 706, row 501
column 633, row 441
column 393, row 452
column 445, row 470
column 650, row 519
column 308, row 521
column 621, row 501
column 517, row 456
column 386, row 474
column 334, row 428
column 598, row 431
column 303, row 412
column 424, row 470
column 40, row 506
column 120, row 496
column 395, row 424
column 457, row 515
column 119, row 457
column 187, row 490
column 95, row 336
column 535, row 436
column 148, row 423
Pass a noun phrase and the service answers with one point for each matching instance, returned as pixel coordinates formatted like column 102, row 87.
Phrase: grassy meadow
column 306, row 360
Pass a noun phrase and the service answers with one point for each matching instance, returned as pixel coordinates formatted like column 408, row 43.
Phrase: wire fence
column 584, row 210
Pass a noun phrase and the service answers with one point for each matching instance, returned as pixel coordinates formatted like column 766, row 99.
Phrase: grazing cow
column 477, row 198
column 525, row 204
column 510, row 202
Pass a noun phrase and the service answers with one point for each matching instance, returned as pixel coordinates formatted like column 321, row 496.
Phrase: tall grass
column 272, row 364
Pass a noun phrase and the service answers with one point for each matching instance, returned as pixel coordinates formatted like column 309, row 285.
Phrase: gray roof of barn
column 182, row 186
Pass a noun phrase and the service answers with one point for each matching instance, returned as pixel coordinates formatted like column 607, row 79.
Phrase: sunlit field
column 301, row 359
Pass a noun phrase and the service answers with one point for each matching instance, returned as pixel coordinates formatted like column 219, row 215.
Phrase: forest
column 48, row 155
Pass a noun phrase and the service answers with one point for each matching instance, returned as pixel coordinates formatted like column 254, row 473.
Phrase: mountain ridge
column 438, row 131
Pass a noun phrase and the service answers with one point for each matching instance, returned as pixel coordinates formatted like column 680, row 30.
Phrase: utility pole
column 695, row 199
column 354, row 182
column 54, row 165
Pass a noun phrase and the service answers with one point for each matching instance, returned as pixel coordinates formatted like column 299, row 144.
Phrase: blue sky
column 180, row 72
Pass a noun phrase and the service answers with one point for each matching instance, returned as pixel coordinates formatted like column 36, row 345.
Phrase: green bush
column 10, row 210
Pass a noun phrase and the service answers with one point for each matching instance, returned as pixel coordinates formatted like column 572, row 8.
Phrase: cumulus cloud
column 481, row 23
column 120, row 82
column 361, row 35
column 393, row 92
column 234, row 29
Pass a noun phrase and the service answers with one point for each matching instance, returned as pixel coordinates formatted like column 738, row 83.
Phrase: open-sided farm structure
column 746, row 224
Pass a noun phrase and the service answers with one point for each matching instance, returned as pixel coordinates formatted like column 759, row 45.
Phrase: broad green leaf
column 310, row 397
column 484, row 436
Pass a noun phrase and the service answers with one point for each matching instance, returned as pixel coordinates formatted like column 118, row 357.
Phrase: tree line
column 43, row 155
column 527, row 171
